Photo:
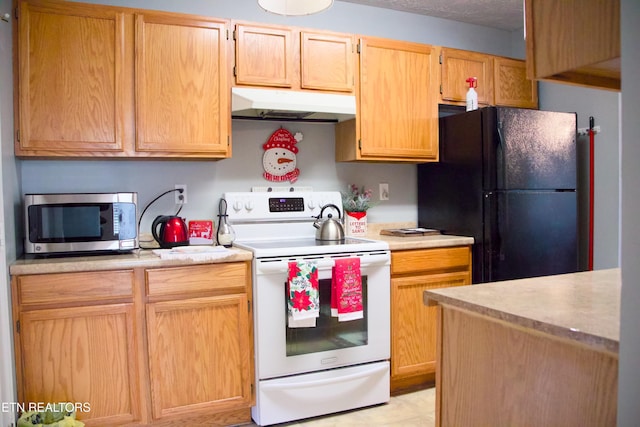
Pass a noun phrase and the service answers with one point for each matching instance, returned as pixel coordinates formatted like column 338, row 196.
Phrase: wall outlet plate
column 181, row 198
column 384, row 191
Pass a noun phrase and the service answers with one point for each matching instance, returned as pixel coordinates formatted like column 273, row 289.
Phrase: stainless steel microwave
column 80, row 222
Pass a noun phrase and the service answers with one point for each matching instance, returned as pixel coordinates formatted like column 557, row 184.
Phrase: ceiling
column 502, row 14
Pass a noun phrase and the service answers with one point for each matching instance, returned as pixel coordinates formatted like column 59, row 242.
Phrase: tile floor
column 416, row 409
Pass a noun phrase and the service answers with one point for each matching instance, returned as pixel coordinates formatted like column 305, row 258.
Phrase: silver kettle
column 329, row 229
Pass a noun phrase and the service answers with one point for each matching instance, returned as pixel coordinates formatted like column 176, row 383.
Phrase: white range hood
column 276, row 104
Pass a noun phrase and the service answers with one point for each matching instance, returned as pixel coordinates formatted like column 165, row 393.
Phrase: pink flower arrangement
column 356, row 199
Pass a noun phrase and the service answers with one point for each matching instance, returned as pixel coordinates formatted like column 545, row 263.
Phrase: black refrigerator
column 507, row 178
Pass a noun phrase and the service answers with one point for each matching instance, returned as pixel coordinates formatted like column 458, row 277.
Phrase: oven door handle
column 322, row 264
column 304, row 384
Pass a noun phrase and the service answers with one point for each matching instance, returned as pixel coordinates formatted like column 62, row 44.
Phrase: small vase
column 356, row 223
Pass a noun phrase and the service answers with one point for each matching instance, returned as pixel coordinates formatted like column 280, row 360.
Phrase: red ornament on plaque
column 279, row 159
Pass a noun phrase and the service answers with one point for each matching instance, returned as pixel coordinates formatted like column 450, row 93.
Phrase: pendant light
column 295, row 7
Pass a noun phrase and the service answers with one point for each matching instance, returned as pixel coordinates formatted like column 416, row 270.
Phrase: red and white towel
column 303, row 302
column 346, row 290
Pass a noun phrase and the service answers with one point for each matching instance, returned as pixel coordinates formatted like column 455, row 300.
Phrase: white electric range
column 335, row 365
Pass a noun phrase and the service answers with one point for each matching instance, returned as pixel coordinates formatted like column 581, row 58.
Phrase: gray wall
column 629, row 374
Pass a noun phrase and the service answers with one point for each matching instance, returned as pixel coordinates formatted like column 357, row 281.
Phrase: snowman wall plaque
column 279, row 159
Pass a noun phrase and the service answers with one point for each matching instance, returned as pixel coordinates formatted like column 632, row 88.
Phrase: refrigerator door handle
column 500, row 163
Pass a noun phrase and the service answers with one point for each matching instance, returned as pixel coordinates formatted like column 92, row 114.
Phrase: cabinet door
column 182, row 100
column 512, row 88
column 457, row 67
column 82, row 354
column 71, row 79
column 199, row 355
column 265, row 56
column 397, row 104
column 561, row 48
column 327, row 61
column 413, row 325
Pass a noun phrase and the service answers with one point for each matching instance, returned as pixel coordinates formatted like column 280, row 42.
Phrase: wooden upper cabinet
column 501, row 81
column 397, row 117
column 327, row 61
column 76, row 91
column 292, row 58
column 182, row 101
column 265, row 56
column 457, row 67
column 71, row 78
column 574, row 41
column 512, row 88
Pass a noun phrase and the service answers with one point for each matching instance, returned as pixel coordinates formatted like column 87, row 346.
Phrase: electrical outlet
column 181, row 198
column 384, row 191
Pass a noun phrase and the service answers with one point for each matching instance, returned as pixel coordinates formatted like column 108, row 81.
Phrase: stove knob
column 311, row 204
column 237, row 206
column 249, row 206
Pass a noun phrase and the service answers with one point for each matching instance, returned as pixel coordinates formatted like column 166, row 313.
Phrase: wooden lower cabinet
column 165, row 346
column 413, row 325
column 82, row 355
column 80, row 349
column 498, row 372
column 200, row 350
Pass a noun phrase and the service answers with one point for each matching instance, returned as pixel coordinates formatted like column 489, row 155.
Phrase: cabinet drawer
column 75, row 287
column 197, row 279
column 431, row 260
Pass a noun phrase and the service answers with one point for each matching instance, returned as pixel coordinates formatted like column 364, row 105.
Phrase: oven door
column 282, row 350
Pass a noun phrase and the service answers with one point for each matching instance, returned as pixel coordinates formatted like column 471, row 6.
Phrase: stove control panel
column 286, row 204
column 260, row 206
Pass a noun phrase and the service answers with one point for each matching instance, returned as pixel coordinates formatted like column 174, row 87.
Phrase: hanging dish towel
column 303, row 302
column 346, row 293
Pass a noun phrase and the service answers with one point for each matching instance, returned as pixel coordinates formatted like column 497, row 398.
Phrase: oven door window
column 329, row 333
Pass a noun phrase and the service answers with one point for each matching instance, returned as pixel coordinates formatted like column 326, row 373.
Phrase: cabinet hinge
column 234, row 34
column 359, row 47
column 228, row 140
column 227, row 33
column 15, row 13
column 360, row 144
column 440, row 88
column 249, row 306
column 234, row 71
column 18, row 135
column 17, row 326
column 440, row 58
